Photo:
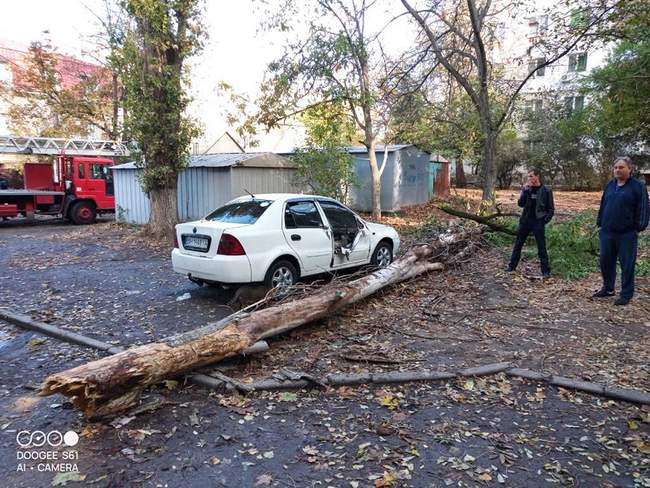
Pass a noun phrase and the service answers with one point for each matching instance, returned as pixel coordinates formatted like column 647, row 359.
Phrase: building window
column 533, row 105
column 578, row 62
column 534, row 64
column 537, row 26
column 572, row 104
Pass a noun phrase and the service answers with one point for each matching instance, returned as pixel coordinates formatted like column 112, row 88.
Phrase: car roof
column 283, row 196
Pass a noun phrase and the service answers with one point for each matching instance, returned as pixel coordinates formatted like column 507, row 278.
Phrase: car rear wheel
column 282, row 274
column 383, row 255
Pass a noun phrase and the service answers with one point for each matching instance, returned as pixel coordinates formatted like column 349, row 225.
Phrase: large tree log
column 487, row 220
column 109, row 385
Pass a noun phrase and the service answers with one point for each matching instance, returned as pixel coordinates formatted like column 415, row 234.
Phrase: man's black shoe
column 546, row 275
column 603, row 294
column 622, row 301
column 510, row 270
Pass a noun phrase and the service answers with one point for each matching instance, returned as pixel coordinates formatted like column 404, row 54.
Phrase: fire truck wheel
column 83, row 213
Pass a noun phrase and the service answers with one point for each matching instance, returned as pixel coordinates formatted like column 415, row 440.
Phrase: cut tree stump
column 110, row 385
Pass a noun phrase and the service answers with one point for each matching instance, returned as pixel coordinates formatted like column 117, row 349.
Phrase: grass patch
column 643, row 256
column 572, row 245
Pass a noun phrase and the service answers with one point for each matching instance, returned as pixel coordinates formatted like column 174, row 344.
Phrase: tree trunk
column 164, row 212
column 116, row 105
column 461, row 180
column 375, row 178
column 489, row 162
column 109, row 385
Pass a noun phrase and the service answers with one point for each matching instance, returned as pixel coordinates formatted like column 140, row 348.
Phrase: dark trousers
column 621, row 247
column 526, row 226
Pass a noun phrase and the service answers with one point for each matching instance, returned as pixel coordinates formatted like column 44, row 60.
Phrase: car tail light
column 175, row 241
column 230, row 246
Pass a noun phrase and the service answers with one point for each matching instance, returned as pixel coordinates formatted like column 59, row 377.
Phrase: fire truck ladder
column 61, row 146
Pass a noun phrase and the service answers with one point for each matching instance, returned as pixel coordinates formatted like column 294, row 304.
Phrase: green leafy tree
column 323, row 164
column 340, row 62
column 460, row 37
column 561, row 143
column 620, row 91
column 450, row 128
column 511, row 154
column 163, row 34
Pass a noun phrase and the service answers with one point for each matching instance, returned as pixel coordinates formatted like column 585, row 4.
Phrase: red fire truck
column 78, row 184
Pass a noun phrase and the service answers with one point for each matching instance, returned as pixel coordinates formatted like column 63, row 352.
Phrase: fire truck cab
column 75, row 187
column 78, row 184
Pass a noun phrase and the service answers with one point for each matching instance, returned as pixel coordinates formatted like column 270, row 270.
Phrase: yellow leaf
column 485, row 477
column 388, row 480
column 389, row 402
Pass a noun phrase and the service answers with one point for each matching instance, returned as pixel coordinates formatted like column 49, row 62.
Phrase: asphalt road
column 105, row 282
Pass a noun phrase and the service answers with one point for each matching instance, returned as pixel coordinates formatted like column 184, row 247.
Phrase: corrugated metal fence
column 200, row 190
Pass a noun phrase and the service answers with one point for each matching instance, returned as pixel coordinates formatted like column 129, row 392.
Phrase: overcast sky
column 237, row 51
column 234, row 52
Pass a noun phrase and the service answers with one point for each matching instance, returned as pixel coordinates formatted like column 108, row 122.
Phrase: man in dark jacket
column 622, row 215
column 537, row 202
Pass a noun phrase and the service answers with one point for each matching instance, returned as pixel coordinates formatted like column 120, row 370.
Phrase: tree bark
column 164, row 212
column 489, row 151
column 375, row 178
column 461, row 180
column 110, row 385
column 116, row 106
column 484, row 220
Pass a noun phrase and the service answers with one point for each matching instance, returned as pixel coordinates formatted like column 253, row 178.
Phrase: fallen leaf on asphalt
column 62, row 479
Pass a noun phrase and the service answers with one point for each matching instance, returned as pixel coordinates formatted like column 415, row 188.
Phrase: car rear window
column 246, row 212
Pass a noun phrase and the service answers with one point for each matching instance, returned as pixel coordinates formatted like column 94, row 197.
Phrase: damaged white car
column 276, row 239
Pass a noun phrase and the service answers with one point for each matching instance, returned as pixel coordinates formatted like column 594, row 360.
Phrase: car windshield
column 244, row 212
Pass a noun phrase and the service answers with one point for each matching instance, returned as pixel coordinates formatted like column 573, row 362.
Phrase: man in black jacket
column 622, row 215
column 537, row 202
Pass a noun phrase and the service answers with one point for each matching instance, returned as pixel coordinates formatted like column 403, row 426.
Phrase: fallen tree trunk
column 109, row 385
column 483, row 220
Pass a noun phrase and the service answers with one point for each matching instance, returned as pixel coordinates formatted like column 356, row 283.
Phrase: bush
column 326, row 171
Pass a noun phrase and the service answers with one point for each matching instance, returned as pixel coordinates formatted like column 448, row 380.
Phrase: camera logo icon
column 38, row 438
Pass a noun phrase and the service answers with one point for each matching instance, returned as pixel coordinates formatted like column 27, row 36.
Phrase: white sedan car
column 276, row 239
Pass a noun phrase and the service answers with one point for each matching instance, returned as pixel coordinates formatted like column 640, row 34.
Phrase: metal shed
column 411, row 176
column 209, row 181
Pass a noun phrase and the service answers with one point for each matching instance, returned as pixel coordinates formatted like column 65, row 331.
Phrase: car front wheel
column 282, row 274
column 383, row 255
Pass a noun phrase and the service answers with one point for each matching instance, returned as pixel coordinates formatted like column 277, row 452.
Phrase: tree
column 619, row 109
column 561, row 142
column 449, row 127
column 109, row 42
column 324, row 164
column 339, row 62
column 462, row 33
column 56, row 96
column 511, row 153
column 163, row 34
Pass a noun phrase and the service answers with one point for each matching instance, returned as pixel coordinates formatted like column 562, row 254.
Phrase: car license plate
column 196, row 243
